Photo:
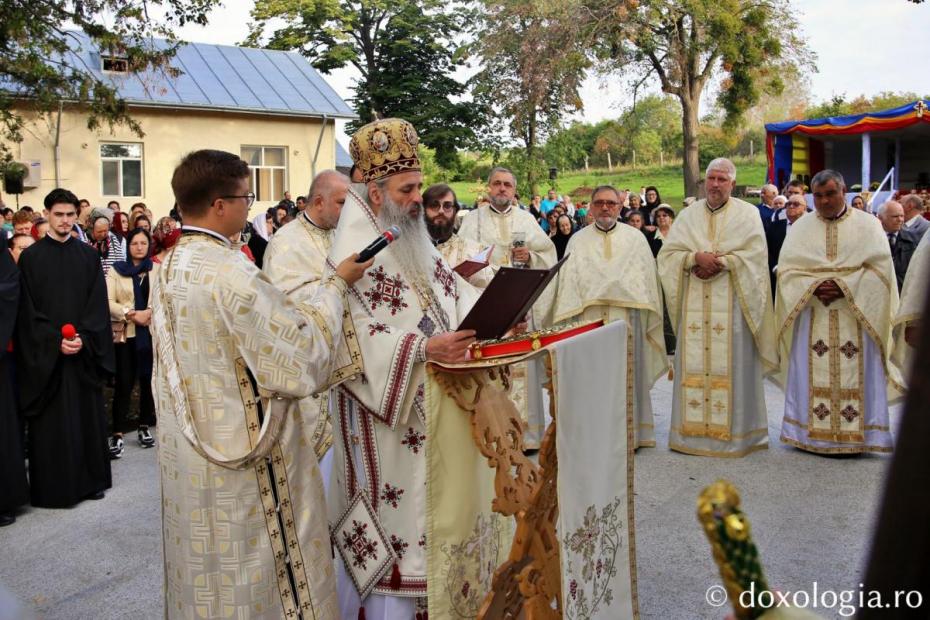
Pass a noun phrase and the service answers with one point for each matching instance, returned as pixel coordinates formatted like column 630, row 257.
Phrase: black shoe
column 116, row 447
column 145, row 437
column 95, row 496
column 7, row 518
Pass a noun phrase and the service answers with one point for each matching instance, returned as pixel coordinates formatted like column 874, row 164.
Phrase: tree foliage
column 405, row 50
column 38, row 71
column 839, row 105
column 685, row 44
column 530, row 76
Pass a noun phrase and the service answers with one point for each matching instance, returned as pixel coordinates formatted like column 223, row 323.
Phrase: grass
column 668, row 179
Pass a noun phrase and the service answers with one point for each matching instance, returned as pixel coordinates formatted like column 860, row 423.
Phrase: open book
column 507, row 299
column 470, row 266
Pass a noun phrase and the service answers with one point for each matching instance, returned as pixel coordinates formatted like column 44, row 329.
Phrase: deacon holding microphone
column 235, row 357
column 64, row 349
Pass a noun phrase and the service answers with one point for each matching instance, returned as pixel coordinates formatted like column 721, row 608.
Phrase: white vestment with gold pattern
column 456, row 249
column 379, row 417
column 294, row 261
column 725, row 330
column 243, row 513
column 487, row 226
column 913, row 297
column 611, row 275
column 836, row 359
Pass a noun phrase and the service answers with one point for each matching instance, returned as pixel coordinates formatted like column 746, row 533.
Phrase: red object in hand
column 68, row 332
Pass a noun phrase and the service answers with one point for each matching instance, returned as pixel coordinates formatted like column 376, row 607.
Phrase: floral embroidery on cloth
column 387, row 291
column 391, row 495
column 445, row 278
column 590, row 557
column 414, row 440
column 468, row 570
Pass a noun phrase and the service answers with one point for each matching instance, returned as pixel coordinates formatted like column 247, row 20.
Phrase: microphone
column 68, row 332
column 388, row 236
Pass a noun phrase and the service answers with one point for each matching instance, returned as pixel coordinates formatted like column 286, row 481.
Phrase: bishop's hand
column 449, row 347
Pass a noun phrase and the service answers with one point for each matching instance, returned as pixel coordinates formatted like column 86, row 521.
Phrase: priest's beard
column 413, row 249
column 440, row 232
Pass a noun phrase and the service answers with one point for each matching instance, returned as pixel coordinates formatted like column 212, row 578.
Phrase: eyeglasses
column 448, row 206
column 250, row 198
column 605, row 203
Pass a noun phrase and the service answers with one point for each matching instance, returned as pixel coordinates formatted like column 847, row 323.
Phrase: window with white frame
column 121, row 169
column 269, row 171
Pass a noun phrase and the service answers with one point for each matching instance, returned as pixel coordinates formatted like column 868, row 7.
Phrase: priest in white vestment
column 440, row 207
column 837, row 297
column 913, row 297
column 714, row 269
column 405, row 311
column 243, row 513
column 611, row 275
column 294, row 261
column 501, row 224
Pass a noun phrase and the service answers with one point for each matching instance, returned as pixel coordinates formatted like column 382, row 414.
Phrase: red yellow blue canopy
column 785, row 138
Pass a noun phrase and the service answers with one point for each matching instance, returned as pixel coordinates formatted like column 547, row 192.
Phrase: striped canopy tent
column 862, row 147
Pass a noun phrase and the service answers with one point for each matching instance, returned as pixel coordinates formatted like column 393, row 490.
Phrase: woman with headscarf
column 128, row 294
column 109, row 247
column 653, row 200
column 564, row 231
column 258, row 238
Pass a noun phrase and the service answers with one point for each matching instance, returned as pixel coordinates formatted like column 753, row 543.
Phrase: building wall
column 169, row 134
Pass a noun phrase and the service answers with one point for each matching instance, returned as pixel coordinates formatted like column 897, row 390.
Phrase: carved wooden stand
column 528, row 584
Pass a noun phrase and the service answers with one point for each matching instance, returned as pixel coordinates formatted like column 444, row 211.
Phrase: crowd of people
column 292, row 379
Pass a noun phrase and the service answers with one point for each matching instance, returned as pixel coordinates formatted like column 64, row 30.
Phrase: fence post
column 610, row 165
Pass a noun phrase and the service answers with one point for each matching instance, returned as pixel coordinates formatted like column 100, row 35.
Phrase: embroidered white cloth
column 611, row 275
column 726, row 335
column 242, row 498
column 294, row 261
column 838, row 357
column 379, row 418
column 594, row 433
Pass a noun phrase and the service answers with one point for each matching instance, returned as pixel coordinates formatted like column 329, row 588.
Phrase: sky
column 863, row 47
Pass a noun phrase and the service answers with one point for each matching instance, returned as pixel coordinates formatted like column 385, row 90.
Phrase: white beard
column 413, row 249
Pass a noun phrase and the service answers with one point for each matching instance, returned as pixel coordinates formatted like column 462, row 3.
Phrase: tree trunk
column 531, row 155
column 690, row 164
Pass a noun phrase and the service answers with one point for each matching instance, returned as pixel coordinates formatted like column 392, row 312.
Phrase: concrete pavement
column 812, row 519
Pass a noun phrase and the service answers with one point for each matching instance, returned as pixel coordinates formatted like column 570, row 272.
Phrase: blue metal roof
column 343, row 159
column 222, row 77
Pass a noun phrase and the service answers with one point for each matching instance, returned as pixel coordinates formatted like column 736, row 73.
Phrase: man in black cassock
column 60, row 380
column 14, row 491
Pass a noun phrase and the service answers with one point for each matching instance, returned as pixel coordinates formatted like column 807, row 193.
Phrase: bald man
column 914, row 215
column 767, row 206
column 294, row 262
column 901, row 241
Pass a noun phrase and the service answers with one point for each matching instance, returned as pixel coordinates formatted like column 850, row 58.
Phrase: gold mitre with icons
column 385, row 147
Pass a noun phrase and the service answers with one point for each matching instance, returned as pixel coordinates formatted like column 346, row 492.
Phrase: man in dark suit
column 777, row 230
column 901, row 241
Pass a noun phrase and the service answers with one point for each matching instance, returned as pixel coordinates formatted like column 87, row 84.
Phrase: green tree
column 839, row 105
column 686, row 43
column 404, row 50
column 39, row 72
column 530, row 76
